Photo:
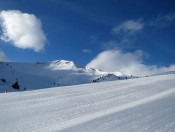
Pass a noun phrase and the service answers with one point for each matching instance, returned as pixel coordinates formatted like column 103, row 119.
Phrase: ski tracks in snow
column 99, row 114
column 62, row 108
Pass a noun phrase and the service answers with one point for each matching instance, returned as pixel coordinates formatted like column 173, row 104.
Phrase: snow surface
column 143, row 104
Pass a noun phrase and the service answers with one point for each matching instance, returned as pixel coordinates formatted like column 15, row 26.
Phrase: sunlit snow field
column 144, row 104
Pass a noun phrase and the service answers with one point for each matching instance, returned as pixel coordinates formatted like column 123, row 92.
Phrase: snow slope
column 38, row 75
column 144, row 104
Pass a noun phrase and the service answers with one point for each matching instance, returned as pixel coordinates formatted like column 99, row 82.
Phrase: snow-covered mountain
column 137, row 105
column 37, row 75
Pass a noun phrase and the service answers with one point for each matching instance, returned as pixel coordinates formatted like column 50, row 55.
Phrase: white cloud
column 163, row 21
column 129, row 27
column 3, row 57
column 127, row 63
column 87, row 51
column 22, row 30
column 170, row 17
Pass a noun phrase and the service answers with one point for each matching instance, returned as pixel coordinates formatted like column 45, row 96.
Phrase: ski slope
column 143, row 104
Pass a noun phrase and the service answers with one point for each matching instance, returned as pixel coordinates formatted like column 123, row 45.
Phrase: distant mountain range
column 37, row 75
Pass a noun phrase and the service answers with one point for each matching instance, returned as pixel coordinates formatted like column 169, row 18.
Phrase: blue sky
column 80, row 30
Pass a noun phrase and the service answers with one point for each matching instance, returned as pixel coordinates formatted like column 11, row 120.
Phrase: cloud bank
column 130, row 63
column 22, row 30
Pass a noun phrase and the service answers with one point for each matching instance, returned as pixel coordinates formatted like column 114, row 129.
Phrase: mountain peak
column 63, row 64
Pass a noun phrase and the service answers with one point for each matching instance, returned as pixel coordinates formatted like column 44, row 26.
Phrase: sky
column 133, row 37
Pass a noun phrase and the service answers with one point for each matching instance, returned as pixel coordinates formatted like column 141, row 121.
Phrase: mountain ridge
column 36, row 75
column 46, row 74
